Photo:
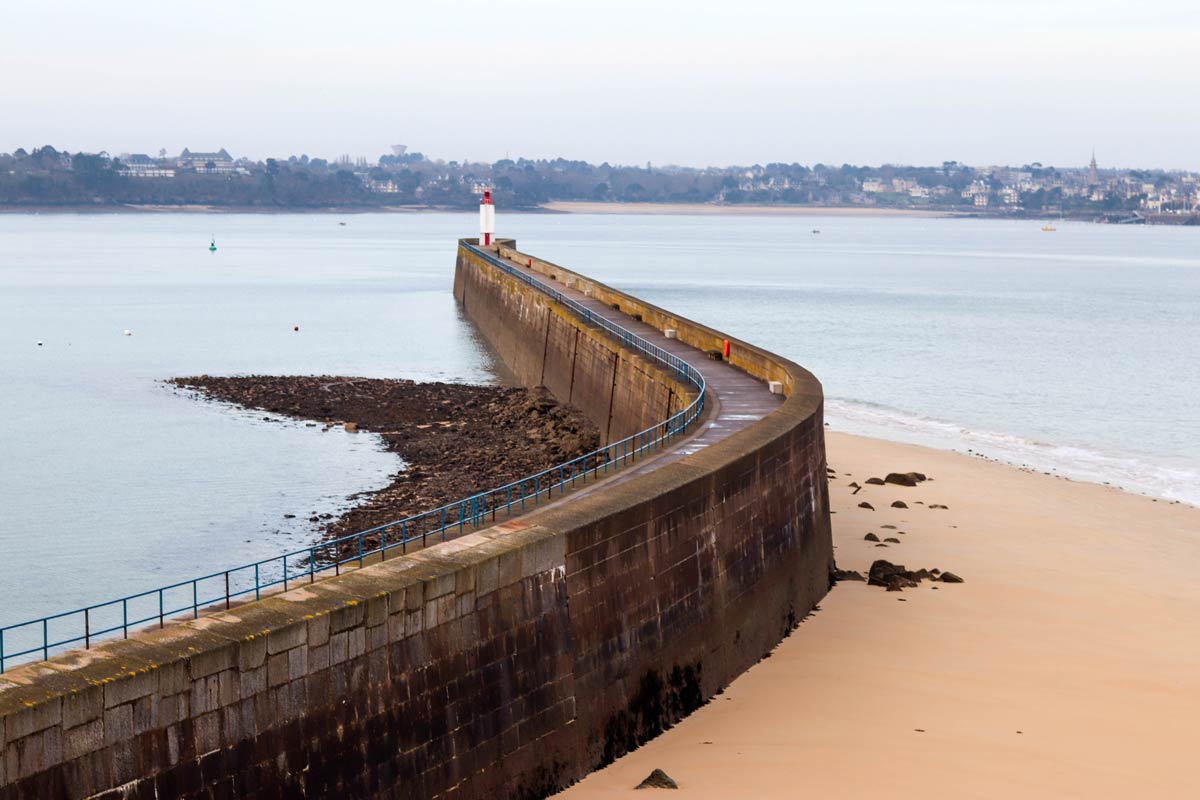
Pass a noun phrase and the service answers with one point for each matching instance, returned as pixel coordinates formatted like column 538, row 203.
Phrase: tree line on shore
column 47, row 177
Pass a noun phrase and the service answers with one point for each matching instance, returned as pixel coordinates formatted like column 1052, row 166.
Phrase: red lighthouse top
column 487, row 198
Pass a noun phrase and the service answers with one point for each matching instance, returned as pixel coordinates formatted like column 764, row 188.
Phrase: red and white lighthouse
column 487, row 219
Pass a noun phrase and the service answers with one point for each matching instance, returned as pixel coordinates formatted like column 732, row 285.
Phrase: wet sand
column 1066, row 665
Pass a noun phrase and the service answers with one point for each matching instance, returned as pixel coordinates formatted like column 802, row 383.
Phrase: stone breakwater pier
column 511, row 660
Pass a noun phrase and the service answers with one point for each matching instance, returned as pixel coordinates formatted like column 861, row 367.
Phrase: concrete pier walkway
column 735, row 399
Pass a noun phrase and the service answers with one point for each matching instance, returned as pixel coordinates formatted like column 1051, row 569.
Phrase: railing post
column 383, row 544
column 1, row 651
column 195, row 601
column 285, row 572
column 312, row 565
column 360, row 557
column 226, row 590
column 125, row 617
column 45, row 639
column 257, row 593
column 87, row 632
column 161, row 622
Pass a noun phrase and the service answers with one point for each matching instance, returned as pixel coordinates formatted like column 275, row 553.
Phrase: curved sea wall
column 510, row 661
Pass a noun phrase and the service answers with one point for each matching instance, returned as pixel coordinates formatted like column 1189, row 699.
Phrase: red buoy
column 726, row 348
column 297, row 327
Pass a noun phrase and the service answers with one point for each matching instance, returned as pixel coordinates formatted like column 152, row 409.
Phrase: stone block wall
column 543, row 344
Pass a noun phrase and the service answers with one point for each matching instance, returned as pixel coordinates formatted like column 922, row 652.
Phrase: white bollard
column 669, row 333
column 776, row 387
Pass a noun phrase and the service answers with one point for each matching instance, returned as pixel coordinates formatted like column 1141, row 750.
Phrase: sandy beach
column 582, row 207
column 1066, row 665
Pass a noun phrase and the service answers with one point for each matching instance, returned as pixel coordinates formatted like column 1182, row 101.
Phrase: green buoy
column 212, row 246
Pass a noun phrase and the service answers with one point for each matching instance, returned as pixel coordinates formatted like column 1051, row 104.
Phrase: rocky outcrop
column 455, row 438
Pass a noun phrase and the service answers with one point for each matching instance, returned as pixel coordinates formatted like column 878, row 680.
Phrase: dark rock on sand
column 894, row 577
column 904, row 478
column 892, row 539
column 847, row 575
column 899, row 504
column 866, row 505
column 658, row 780
column 875, row 481
column 938, row 505
column 870, row 537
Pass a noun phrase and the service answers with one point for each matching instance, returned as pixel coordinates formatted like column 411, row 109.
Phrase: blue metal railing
column 38, row 639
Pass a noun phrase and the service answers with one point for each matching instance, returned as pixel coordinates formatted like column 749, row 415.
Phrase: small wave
column 1073, row 461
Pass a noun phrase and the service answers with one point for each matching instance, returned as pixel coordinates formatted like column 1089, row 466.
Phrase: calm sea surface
column 1077, row 351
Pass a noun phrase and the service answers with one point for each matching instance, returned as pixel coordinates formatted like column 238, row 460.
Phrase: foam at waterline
column 1082, row 463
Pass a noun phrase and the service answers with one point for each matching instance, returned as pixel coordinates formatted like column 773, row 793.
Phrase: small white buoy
column 128, row 332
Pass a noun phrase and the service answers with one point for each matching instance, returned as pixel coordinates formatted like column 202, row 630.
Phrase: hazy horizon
column 865, row 82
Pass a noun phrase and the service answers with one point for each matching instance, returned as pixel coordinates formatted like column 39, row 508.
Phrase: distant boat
column 816, row 230
column 212, row 246
column 1049, row 227
column 342, row 224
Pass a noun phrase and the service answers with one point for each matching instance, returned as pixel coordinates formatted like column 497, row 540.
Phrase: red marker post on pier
column 487, row 219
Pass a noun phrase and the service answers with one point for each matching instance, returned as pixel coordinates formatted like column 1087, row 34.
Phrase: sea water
column 1073, row 351
column 112, row 482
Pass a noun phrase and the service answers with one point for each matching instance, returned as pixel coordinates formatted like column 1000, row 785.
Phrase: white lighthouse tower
column 487, row 219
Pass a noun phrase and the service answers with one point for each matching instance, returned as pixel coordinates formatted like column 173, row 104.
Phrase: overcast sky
column 695, row 83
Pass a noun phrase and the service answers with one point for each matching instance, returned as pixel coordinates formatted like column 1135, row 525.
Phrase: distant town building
column 1093, row 178
column 382, row 187
column 140, row 165
column 217, row 162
